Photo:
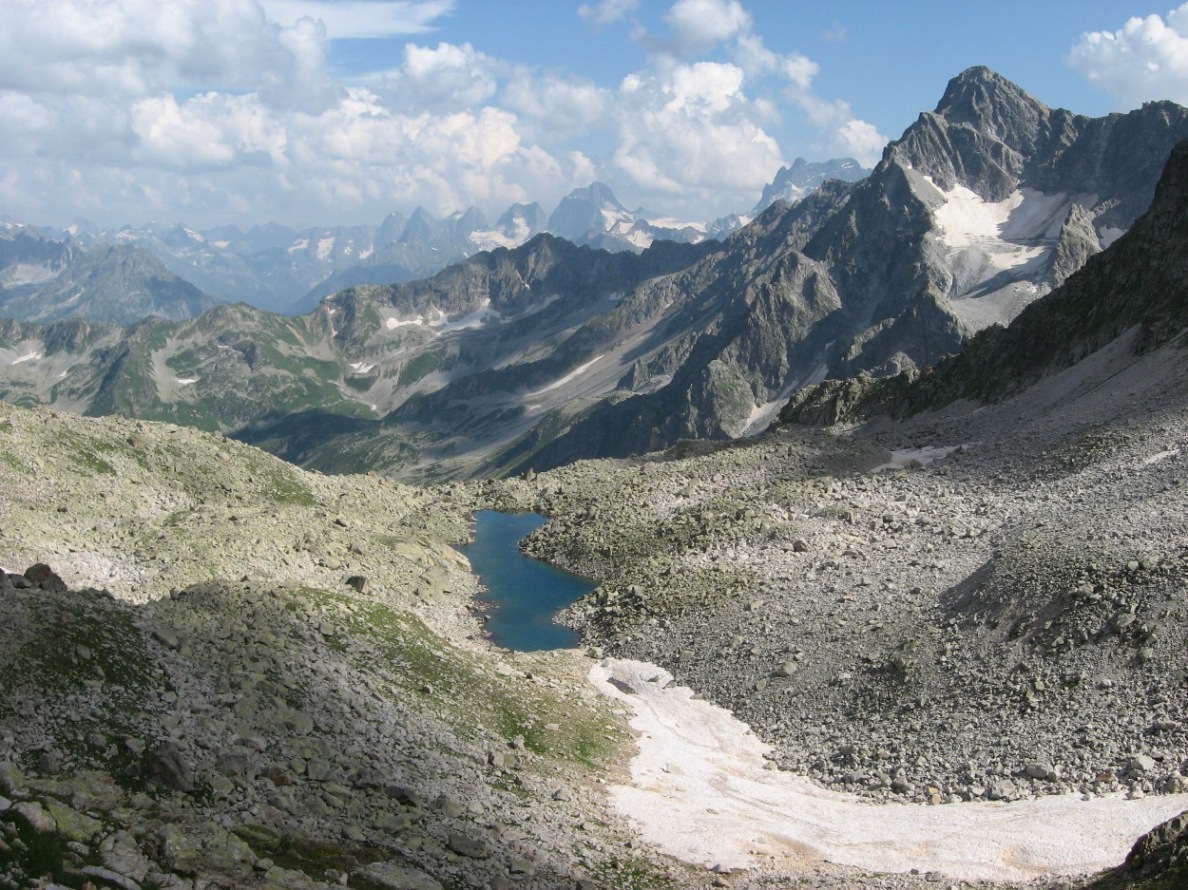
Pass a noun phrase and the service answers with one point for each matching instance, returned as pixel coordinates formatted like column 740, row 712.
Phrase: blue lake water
column 524, row 593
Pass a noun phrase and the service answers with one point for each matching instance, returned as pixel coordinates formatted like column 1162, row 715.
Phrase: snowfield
column 701, row 791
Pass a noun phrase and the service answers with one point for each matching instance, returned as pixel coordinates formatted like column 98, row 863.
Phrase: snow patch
column 900, row 459
column 996, row 251
column 473, row 320
column 576, row 372
column 325, row 248
column 441, row 322
column 185, row 381
column 362, row 367
column 489, row 239
column 393, row 323
column 701, row 791
column 966, row 220
column 28, row 357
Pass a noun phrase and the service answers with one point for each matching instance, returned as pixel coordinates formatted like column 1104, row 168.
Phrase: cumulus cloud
column 692, row 127
column 844, row 134
column 1145, row 59
column 556, row 107
column 204, row 109
column 445, row 77
column 699, row 25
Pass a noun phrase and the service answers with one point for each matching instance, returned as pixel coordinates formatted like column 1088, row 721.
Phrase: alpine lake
column 523, row 594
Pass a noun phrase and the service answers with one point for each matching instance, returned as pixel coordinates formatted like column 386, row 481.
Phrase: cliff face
column 1139, row 284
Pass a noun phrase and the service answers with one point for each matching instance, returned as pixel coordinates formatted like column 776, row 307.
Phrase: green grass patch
column 463, row 687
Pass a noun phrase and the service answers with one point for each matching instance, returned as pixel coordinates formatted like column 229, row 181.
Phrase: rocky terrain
column 261, row 677
column 998, row 612
column 220, row 670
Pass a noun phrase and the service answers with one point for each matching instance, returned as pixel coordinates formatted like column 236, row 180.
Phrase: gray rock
column 236, row 763
column 393, row 876
column 1140, row 764
column 471, row 847
column 35, row 816
column 167, row 637
column 319, row 771
column 41, row 575
column 168, row 766
column 522, row 866
column 402, row 794
column 450, row 807
column 120, row 852
column 1001, row 789
column 107, row 876
column 1039, row 770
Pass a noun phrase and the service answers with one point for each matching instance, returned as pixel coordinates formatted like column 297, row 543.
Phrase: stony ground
column 239, row 674
column 1001, row 616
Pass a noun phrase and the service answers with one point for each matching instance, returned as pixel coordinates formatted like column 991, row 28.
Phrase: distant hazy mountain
column 280, row 269
column 803, row 178
column 43, row 279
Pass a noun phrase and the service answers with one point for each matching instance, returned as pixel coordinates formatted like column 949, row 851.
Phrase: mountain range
column 43, row 279
column 280, row 269
column 547, row 352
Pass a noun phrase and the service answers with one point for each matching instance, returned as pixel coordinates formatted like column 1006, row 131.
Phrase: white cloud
column 699, row 25
column 1145, row 59
column 136, row 48
column 844, row 134
column 208, row 131
column 555, row 107
column 690, row 130
column 607, row 12
column 361, row 18
column 204, row 109
column 445, row 78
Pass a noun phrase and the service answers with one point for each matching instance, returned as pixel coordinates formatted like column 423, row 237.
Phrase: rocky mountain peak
column 986, row 101
column 584, row 210
column 421, row 226
column 803, row 177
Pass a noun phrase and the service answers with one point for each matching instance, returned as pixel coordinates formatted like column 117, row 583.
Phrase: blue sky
column 340, row 111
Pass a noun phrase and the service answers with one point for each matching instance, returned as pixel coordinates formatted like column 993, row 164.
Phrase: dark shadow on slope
column 298, row 437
